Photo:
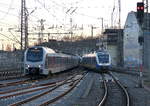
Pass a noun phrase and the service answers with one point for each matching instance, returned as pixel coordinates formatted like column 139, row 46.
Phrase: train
column 40, row 60
column 99, row 61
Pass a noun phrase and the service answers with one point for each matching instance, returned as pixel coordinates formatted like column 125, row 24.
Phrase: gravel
column 88, row 93
column 138, row 96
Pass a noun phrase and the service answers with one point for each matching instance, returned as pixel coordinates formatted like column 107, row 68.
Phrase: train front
column 103, row 61
column 33, row 61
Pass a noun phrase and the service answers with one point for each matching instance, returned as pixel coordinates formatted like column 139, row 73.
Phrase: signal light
column 142, row 8
column 140, row 12
column 138, row 8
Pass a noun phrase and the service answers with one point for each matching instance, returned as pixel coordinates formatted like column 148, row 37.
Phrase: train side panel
column 99, row 61
column 50, row 61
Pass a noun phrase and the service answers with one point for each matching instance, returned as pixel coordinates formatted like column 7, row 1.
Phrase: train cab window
column 35, row 54
column 103, row 58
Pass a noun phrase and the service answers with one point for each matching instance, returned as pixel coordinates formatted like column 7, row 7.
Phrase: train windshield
column 35, row 54
column 103, row 58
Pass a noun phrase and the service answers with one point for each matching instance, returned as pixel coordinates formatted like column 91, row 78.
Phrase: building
column 114, row 39
column 137, row 43
column 131, row 47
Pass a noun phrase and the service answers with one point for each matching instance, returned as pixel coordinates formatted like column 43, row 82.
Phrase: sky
column 57, row 13
column 56, row 10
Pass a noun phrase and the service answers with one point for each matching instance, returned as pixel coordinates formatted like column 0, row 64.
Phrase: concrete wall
column 146, row 76
column 135, row 53
column 114, row 39
column 112, row 49
column 10, row 60
column 132, row 56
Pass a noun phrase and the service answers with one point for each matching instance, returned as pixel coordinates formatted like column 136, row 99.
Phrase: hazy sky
column 58, row 13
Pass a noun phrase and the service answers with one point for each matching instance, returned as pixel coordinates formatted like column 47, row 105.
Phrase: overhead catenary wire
column 48, row 11
column 5, row 24
column 51, row 11
column 11, row 3
column 14, row 37
column 3, row 3
column 8, row 14
column 74, row 10
column 9, row 38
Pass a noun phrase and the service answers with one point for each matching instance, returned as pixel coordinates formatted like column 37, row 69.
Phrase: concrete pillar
column 146, row 71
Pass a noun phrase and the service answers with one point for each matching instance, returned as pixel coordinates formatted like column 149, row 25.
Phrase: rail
column 61, row 95
column 69, row 80
column 124, row 89
column 105, row 94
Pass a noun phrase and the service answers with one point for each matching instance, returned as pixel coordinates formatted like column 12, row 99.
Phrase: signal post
column 140, row 18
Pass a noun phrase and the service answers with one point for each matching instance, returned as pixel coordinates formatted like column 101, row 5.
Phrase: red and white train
column 40, row 60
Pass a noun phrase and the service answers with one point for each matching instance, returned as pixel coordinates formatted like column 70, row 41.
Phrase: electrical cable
column 11, row 3
column 49, row 11
column 6, row 24
column 7, row 13
column 9, row 38
column 15, row 38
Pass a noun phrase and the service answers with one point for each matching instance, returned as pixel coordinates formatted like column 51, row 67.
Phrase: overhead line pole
column 119, row 2
column 24, row 25
column 145, row 46
column 22, row 21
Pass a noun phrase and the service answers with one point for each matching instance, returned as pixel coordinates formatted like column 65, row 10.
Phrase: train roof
column 89, row 55
column 102, row 51
column 66, row 53
column 44, row 48
column 60, row 54
column 52, row 52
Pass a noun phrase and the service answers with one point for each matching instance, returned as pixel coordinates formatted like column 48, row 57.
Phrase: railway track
column 29, row 89
column 28, row 94
column 123, row 89
column 105, row 92
column 6, row 83
column 7, row 75
column 71, row 83
column 14, row 83
column 109, row 87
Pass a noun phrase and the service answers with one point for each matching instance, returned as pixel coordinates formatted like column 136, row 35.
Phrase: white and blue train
column 100, row 61
column 40, row 60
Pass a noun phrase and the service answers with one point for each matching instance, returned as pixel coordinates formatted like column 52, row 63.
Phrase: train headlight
column 41, row 66
column 26, row 65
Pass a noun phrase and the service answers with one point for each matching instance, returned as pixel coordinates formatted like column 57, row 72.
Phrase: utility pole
column 71, row 29
column 102, row 25
column 112, row 16
column 40, row 37
column 145, row 45
column 146, row 5
column 92, row 31
column 71, row 10
column 102, row 29
column 140, row 18
column 119, row 3
column 24, row 25
column 120, row 38
column 26, row 29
